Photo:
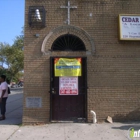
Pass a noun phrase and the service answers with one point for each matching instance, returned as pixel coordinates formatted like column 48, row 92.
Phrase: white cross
column 68, row 7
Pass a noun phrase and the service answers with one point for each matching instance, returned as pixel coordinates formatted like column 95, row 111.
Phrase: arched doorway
column 66, row 31
column 68, row 42
column 68, row 105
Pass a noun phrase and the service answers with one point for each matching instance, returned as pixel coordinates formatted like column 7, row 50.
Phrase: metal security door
column 68, row 108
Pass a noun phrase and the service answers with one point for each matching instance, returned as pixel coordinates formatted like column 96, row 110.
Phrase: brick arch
column 55, row 33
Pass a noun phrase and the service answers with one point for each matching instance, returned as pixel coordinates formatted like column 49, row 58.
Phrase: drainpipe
column 94, row 116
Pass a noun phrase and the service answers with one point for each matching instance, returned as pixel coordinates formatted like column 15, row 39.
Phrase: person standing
column 3, row 96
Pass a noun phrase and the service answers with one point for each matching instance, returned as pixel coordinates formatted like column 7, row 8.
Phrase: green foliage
column 4, row 52
column 7, row 73
column 13, row 57
column 18, row 43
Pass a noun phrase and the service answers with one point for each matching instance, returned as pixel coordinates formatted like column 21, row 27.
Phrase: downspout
column 94, row 116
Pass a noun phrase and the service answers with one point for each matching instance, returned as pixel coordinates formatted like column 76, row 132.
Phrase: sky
column 11, row 19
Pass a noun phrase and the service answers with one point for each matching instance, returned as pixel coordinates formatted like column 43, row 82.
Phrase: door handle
column 53, row 92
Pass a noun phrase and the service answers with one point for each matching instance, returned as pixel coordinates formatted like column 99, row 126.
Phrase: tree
column 4, row 47
column 18, row 43
column 13, row 57
column 7, row 73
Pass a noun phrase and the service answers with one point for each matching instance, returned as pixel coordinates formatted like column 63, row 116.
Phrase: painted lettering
column 129, row 19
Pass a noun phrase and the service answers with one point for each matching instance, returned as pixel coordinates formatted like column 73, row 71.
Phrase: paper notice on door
column 67, row 67
column 68, row 85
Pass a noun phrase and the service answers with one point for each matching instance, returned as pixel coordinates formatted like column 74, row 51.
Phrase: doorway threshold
column 77, row 120
column 62, row 121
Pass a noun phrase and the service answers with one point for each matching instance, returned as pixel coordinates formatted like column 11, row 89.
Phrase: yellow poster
column 67, row 66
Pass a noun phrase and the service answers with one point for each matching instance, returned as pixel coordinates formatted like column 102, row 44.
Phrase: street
column 14, row 107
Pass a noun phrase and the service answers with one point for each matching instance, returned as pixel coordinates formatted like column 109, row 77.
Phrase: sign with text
column 67, row 66
column 33, row 102
column 68, row 85
column 129, row 27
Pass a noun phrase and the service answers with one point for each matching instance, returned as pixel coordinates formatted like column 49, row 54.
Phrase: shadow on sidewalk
column 127, row 126
column 132, row 119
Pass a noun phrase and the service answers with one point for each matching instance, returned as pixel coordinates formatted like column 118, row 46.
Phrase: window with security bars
column 37, row 16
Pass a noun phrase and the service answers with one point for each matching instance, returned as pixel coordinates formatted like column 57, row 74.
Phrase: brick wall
column 113, row 65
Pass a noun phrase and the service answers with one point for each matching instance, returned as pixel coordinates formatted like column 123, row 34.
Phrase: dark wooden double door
column 68, row 107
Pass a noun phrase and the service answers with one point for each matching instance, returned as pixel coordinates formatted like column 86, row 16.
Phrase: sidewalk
column 67, row 131
column 10, row 129
column 14, row 107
